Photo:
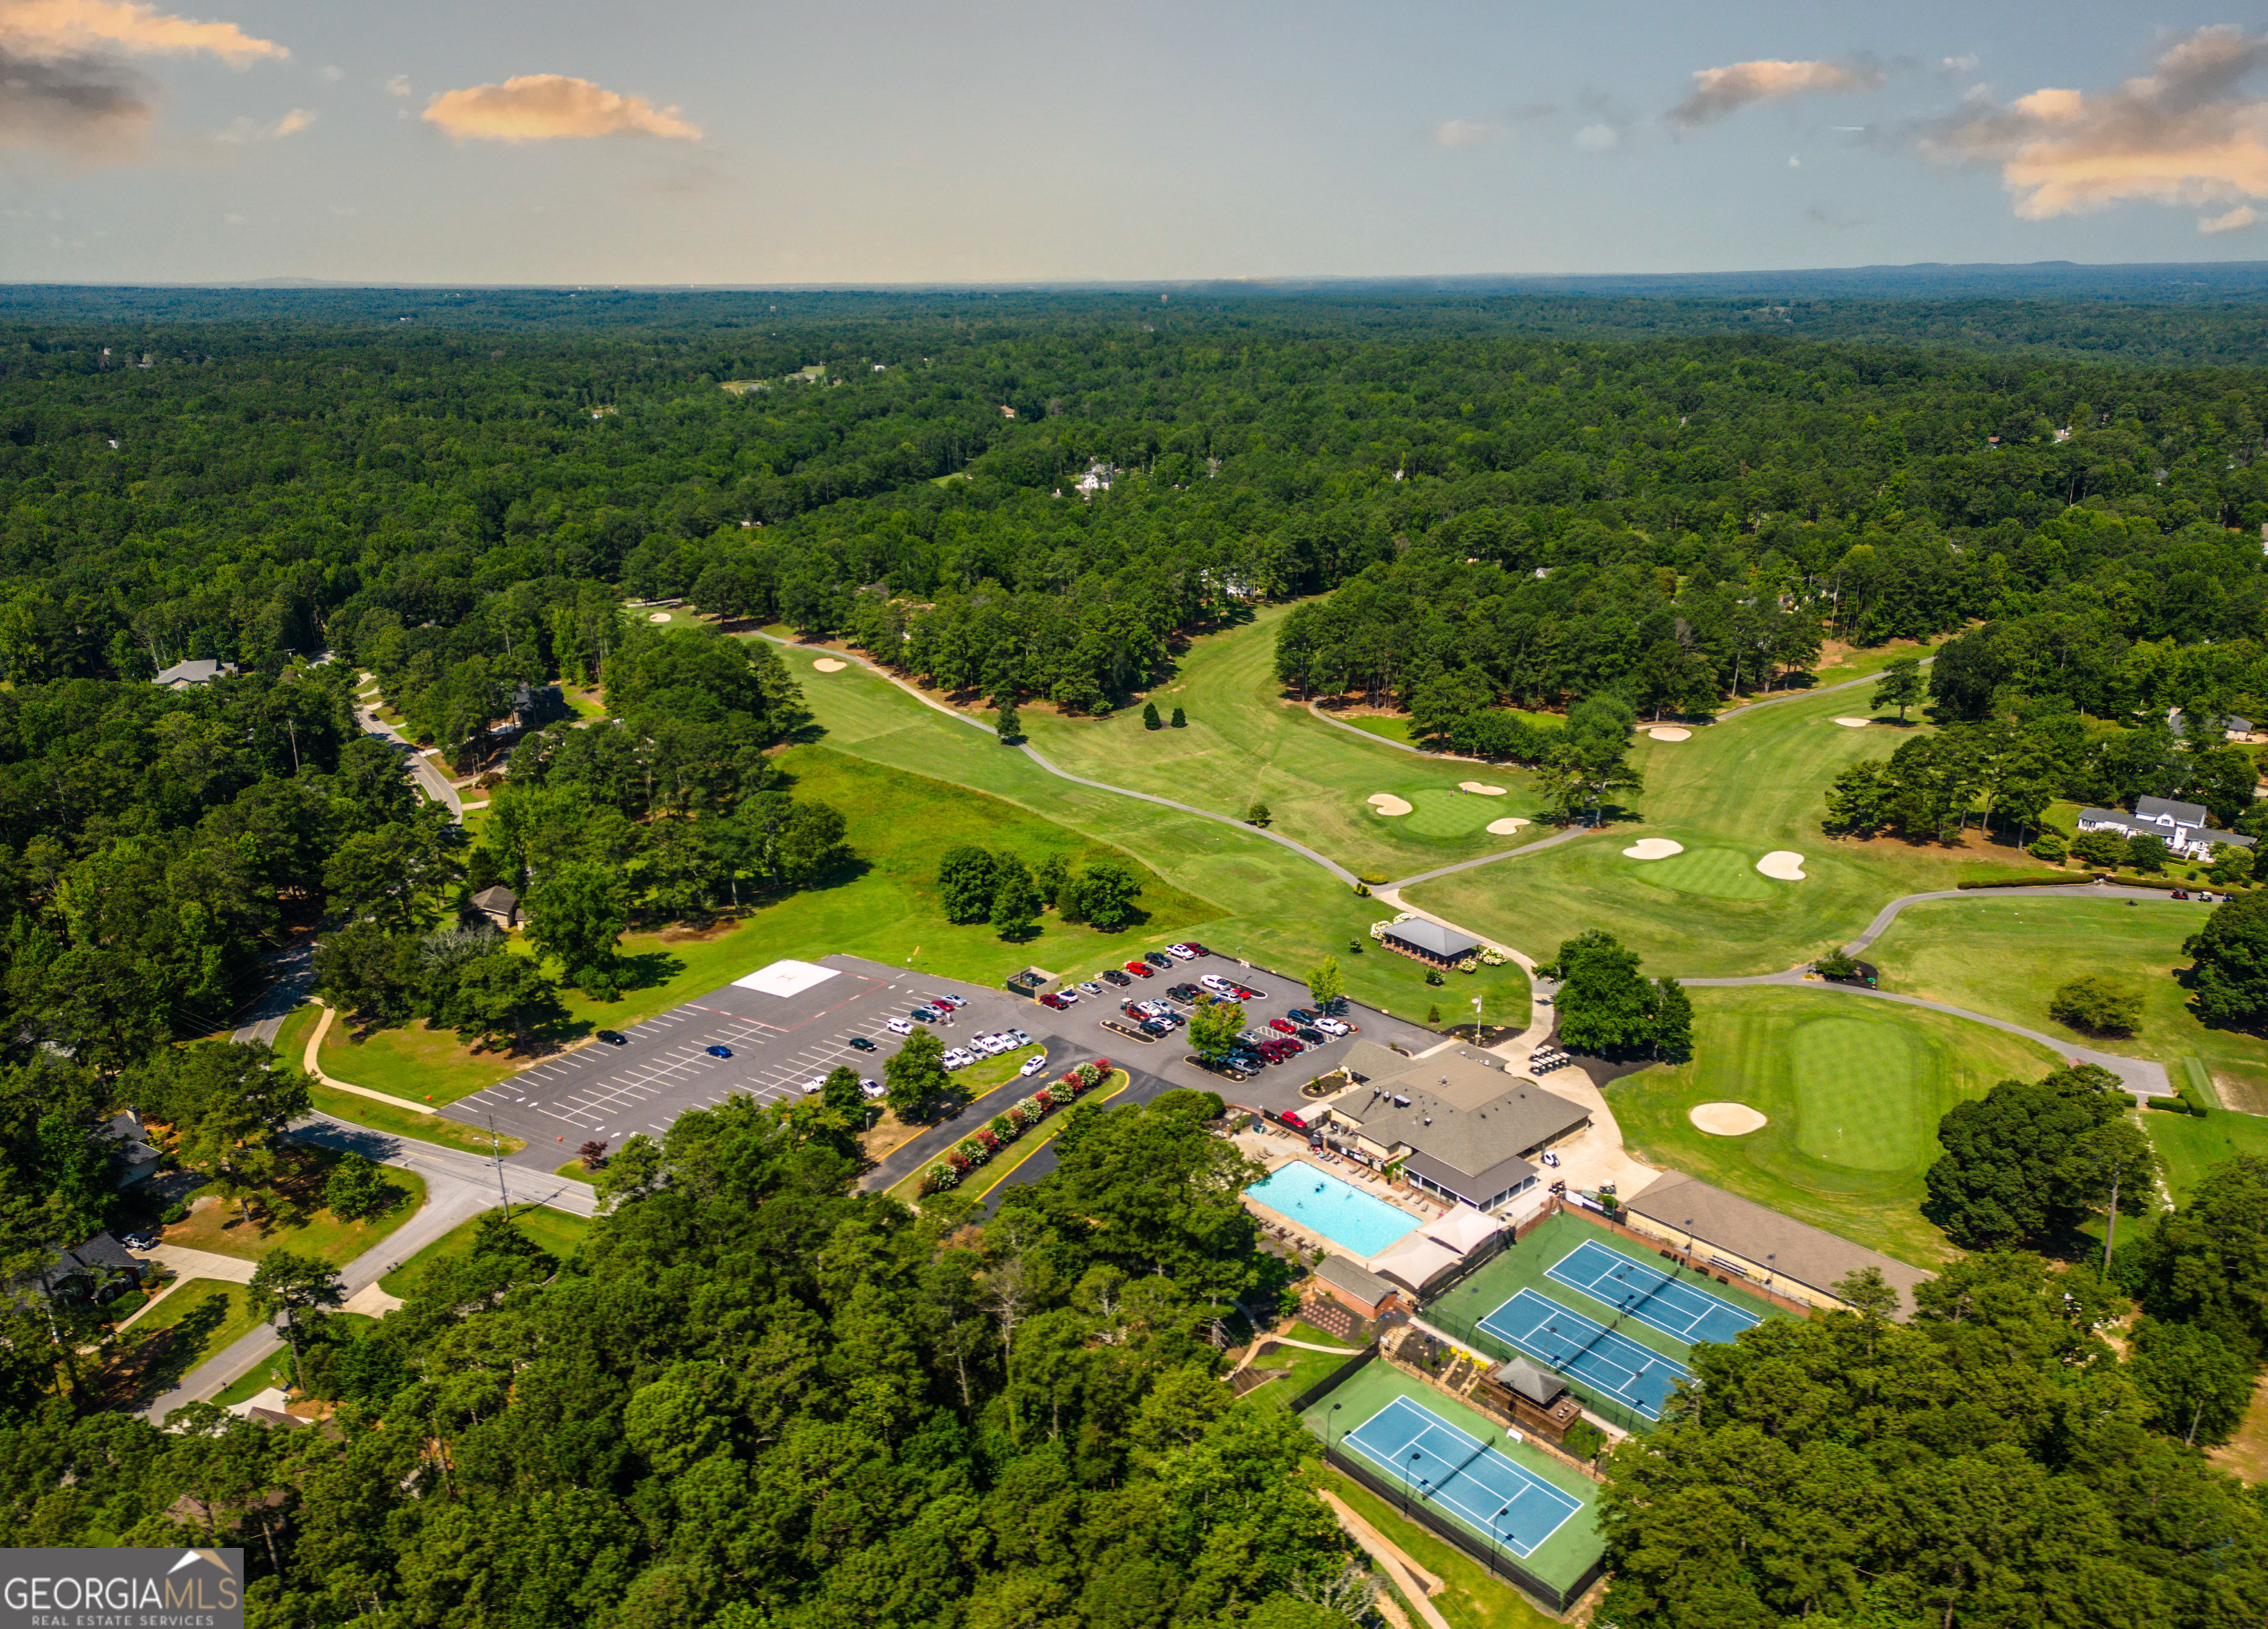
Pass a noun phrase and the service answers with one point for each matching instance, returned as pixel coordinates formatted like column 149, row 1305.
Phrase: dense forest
column 757, row 1397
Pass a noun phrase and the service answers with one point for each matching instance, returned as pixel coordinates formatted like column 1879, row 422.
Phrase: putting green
column 1715, row 873
column 1440, row 811
column 1859, row 1094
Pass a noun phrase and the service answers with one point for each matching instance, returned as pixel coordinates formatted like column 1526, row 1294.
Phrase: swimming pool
column 1320, row 1203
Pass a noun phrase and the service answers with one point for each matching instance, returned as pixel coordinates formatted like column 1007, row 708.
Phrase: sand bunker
column 1387, row 804
column 1854, row 723
column 1509, row 824
column 1482, row 787
column 658, row 617
column 1726, row 1119
column 827, row 664
column 1669, row 732
column 1782, row 865
column 1653, row 848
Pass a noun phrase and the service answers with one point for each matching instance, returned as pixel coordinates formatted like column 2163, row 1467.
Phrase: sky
column 759, row 142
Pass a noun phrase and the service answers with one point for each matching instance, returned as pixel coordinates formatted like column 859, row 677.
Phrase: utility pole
column 496, row 1153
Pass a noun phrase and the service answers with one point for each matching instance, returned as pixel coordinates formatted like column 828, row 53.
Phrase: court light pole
column 1407, row 1466
column 1496, row 1546
column 1330, row 1425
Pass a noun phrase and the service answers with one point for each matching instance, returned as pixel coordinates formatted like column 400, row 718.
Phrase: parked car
column 1112, row 976
column 873, row 1088
column 1158, row 959
column 614, row 1037
column 1140, row 969
column 140, row 1241
column 956, row 1058
column 1284, row 1025
column 1152, row 1027
column 1090, row 986
column 1033, row 1064
column 1183, row 993
column 1313, row 1037
column 1017, row 1038
column 1180, row 952
column 1246, row 992
column 950, row 1003
column 814, row 1084
column 1301, row 1014
column 1055, row 1003
column 1195, row 948
column 899, row 1026
column 1331, row 1026
column 717, row 1051
column 1550, row 1159
column 859, row 1043
column 927, row 1015
column 1215, row 982
column 1070, row 997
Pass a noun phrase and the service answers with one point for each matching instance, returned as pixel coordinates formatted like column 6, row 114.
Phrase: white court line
column 1467, row 1448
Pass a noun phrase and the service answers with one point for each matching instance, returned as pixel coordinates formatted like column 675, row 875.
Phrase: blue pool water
column 1322, row 1203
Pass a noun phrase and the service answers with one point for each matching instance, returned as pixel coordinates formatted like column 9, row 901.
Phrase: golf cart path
column 2144, row 1077
column 1033, row 753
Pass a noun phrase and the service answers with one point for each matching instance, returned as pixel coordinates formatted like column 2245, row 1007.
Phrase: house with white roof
column 2181, row 826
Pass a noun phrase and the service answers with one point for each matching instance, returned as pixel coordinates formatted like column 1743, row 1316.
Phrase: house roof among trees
column 196, row 670
column 496, row 898
column 2168, row 808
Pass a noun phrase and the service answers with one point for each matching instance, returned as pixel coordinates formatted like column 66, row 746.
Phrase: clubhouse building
column 1428, row 942
column 1729, row 1237
column 1460, row 1126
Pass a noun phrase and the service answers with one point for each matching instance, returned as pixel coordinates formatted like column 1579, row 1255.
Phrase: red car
column 1142, row 968
column 1055, row 1003
column 1284, row 1024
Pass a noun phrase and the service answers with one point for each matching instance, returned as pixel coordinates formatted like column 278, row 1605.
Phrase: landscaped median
column 983, row 1159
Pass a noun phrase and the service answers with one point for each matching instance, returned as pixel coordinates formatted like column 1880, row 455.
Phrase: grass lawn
column 1854, row 1088
column 1274, row 908
column 201, row 1317
column 1755, row 783
column 412, row 1060
column 553, row 1231
column 291, row 1215
column 574, row 1170
column 1042, row 1132
column 290, row 1042
column 401, row 1122
column 2006, row 957
column 2190, row 1146
column 1245, row 742
column 1472, row 1597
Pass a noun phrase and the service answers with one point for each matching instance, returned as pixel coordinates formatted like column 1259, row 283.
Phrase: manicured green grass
column 400, row 1123
column 1854, row 1089
column 208, row 1312
column 2191, row 1146
column 1713, row 873
column 1245, row 742
column 553, row 1231
column 413, row 1061
column 1752, row 783
column 1281, row 911
column 294, row 1218
column 574, row 1170
column 2008, row 957
column 290, row 1042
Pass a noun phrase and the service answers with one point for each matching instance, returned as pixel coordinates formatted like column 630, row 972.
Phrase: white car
column 1331, row 1026
column 873, row 1088
column 989, row 1045
column 1215, row 982
column 899, row 1026
column 1033, row 1064
column 956, row 1059
column 1180, row 952
column 1017, row 1038
column 1091, row 987
column 814, row 1084
column 1067, row 994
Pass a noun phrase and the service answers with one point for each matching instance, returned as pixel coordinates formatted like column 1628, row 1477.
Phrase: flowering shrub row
column 1010, row 1124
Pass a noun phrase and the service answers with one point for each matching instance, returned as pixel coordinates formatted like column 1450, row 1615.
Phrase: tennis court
column 1586, row 1352
column 1453, row 1469
column 1683, row 1311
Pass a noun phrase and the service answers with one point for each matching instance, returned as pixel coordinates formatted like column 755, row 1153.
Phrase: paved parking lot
column 798, row 1029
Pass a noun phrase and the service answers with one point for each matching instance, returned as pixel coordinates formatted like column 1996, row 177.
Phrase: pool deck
column 1354, row 1176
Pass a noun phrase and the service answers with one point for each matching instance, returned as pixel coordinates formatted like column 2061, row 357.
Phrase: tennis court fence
column 1480, row 1340
column 1331, row 1382
column 1422, row 1512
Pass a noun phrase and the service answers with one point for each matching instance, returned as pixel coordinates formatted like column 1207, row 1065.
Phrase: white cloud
column 1956, row 66
column 1718, row 91
column 2236, row 220
column 537, row 107
column 1465, row 133
column 2183, row 134
column 1598, row 138
column 60, row 28
column 399, row 85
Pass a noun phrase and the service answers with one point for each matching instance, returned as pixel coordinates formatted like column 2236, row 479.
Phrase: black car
column 1185, row 992
column 1112, row 976
column 860, row 1043
column 1313, row 1038
column 614, row 1037
column 1152, row 1027
column 1299, row 1016
column 1158, row 958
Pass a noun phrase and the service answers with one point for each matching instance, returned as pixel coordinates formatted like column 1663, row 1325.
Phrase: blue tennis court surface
column 1456, row 1470
column 1585, row 1351
column 1680, row 1310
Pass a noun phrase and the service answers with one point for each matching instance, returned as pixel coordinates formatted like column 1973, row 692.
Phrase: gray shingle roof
column 1357, row 1281
column 1810, row 1256
column 1540, row 1386
column 1429, row 935
column 1458, row 1110
column 2180, row 813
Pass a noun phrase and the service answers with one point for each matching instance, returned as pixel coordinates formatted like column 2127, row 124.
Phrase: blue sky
column 688, row 140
